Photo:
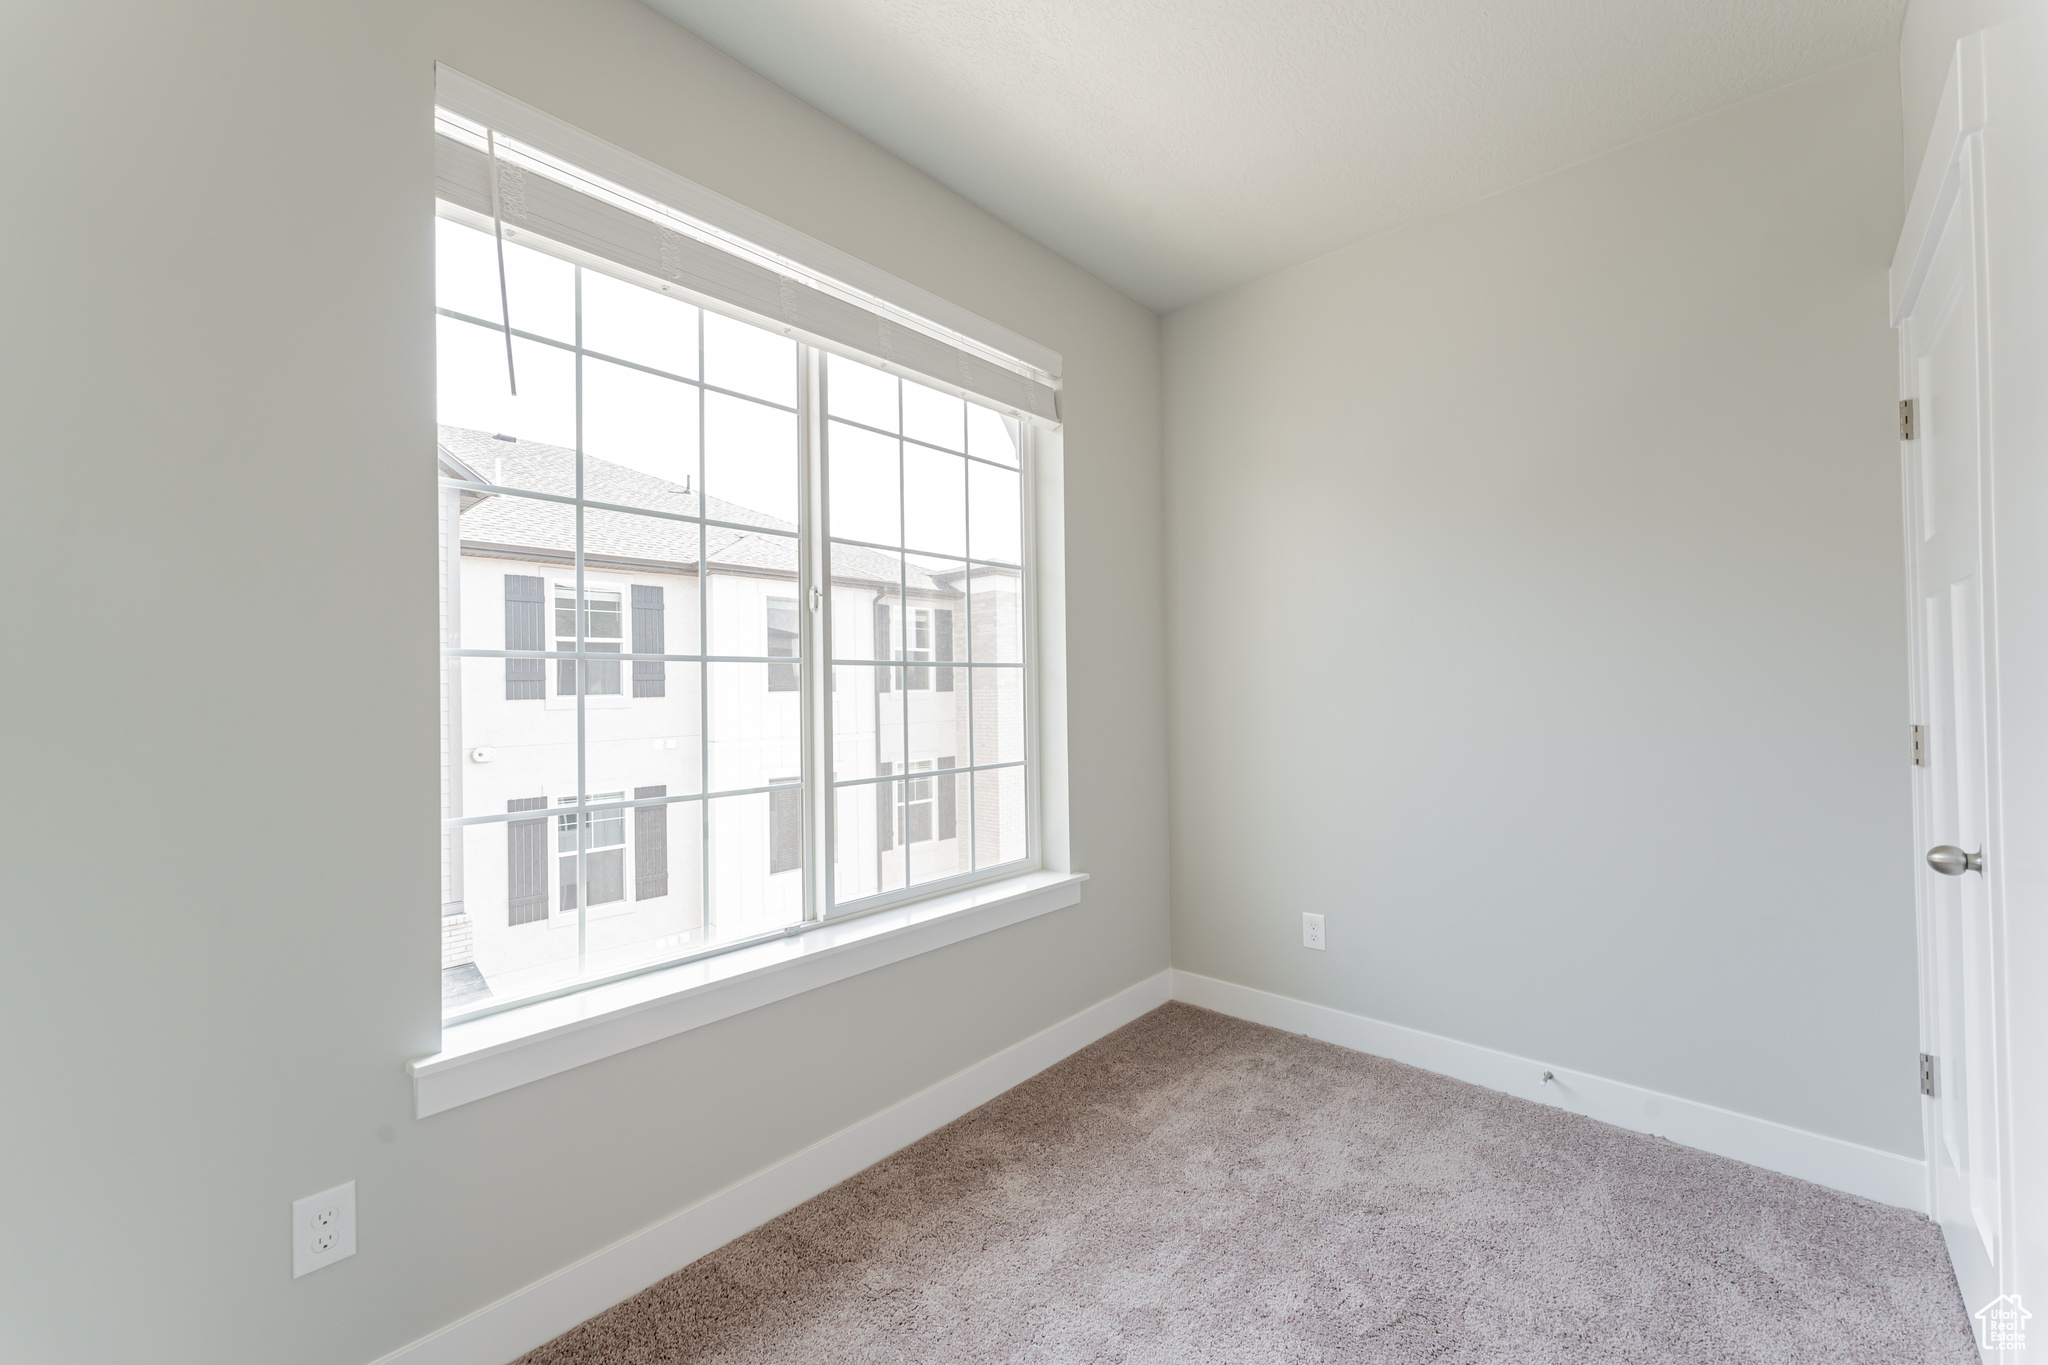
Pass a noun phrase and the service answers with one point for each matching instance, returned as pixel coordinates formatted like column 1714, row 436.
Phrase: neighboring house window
column 752, row 520
column 919, row 650
column 918, row 800
column 785, row 826
column 930, row 809
column 604, row 851
column 782, row 637
column 601, row 634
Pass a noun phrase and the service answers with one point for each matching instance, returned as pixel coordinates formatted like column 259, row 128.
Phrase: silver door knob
column 1951, row 861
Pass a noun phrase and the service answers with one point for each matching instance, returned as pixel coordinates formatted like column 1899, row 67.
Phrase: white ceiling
column 1178, row 147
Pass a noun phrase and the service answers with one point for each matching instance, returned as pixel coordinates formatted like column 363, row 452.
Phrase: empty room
column 782, row 682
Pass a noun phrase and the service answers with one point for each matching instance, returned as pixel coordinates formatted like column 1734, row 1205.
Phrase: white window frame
column 605, row 804
column 556, row 700
column 511, row 1043
column 915, row 659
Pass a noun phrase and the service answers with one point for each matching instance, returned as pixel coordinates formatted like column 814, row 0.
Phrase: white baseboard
column 1883, row 1176
column 551, row 1306
column 548, row 1307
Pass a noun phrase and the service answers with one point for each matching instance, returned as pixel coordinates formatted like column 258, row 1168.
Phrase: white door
column 1944, row 341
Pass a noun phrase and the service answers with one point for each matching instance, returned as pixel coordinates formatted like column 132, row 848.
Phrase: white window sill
column 499, row 1051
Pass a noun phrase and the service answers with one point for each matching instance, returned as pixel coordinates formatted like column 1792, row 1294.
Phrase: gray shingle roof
column 549, row 528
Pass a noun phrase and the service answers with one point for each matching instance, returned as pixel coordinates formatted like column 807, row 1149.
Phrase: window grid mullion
column 605, row 656
column 703, row 669
column 582, row 674
column 808, row 870
column 956, row 770
column 819, row 674
column 617, row 360
column 967, row 674
column 570, row 499
column 864, row 663
column 898, row 435
column 902, row 678
column 891, row 549
column 496, row 818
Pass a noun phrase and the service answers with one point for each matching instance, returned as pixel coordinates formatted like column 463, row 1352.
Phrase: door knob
column 1951, row 861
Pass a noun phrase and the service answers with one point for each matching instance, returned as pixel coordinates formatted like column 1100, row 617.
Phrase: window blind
column 571, row 191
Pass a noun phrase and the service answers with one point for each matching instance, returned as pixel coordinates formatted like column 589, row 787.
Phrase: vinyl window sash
column 583, row 814
column 822, row 796
column 814, row 586
column 597, row 506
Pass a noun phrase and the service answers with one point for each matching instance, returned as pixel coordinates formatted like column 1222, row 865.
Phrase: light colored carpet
column 1196, row 1188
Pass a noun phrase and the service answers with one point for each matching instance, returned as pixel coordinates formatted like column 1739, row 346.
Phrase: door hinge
column 1919, row 746
column 1907, row 425
column 1927, row 1075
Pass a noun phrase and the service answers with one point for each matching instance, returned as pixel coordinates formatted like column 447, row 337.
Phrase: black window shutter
column 526, row 859
column 650, row 636
column 525, row 628
column 650, row 834
column 785, row 828
column 942, row 648
column 946, row 786
column 885, row 818
column 884, row 645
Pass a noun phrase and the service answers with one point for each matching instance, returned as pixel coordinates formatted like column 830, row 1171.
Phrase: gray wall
column 220, row 907
column 1537, row 615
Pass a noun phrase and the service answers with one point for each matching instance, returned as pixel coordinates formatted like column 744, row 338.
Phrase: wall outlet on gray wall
column 323, row 1228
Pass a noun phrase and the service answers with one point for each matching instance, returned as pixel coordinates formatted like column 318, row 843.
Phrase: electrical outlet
column 323, row 1228
column 1312, row 932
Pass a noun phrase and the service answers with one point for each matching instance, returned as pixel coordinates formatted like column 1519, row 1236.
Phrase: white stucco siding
column 740, row 715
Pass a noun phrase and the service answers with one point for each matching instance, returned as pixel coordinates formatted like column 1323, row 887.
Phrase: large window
column 735, row 631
